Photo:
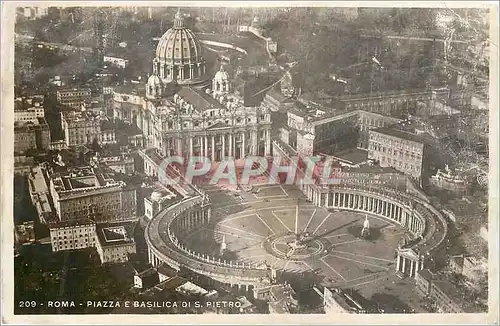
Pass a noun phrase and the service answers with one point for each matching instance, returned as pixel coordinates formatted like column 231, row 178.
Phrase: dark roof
column 104, row 236
column 218, row 125
column 199, row 99
column 134, row 89
column 147, row 273
column 251, row 95
column 172, row 283
column 371, row 169
column 354, row 156
column 275, row 94
column 107, row 125
column 166, row 270
column 70, row 223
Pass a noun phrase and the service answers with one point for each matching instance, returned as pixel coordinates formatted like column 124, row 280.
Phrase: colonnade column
column 268, row 143
column 230, row 152
column 223, row 151
column 205, row 144
column 213, row 148
column 243, row 145
column 190, row 146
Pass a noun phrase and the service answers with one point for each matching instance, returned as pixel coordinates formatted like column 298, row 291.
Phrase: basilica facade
column 180, row 112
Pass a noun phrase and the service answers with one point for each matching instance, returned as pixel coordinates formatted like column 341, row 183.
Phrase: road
column 20, row 38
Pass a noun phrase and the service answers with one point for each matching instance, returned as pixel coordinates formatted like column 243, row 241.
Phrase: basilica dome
column 178, row 55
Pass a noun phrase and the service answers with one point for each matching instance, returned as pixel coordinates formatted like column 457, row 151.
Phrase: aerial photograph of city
column 250, row 160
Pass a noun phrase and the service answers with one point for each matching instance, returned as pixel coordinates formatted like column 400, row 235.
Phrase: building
column 276, row 101
column 165, row 272
column 470, row 267
column 31, row 135
column 72, row 235
column 24, row 138
column 332, row 129
column 399, row 149
column 445, row 296
column 450, row 180
column 194, row 119
column 23, row 164
column 34, row 12
column 86, row 193
column 58, row 145
column 30, row 114
column 25, row 232
column 370, row 120
column 396, row 103
column 38, row 183
column 115, row 61
column 146, row 279
column 123, row 163
column 115, row 242
column 160, row 198
column 280, row 298
column 82, row 128
column 246, row 307
column 75, row 97
column 338, row 301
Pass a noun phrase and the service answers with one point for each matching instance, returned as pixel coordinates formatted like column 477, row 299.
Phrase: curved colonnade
column 164, row 246
column 425, row 223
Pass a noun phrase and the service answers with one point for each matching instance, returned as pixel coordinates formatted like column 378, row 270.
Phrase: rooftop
column 39, row 122
column 82, row 116
column 399, row 134
column 352, row 156
column 132, row 89
column 166, row 270
column 115, row 234
column 67, row 90
column 80, row 178
column 70, row 223
column 38, row 179
column 200, row 100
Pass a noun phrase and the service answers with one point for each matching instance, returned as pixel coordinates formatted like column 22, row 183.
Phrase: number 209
column 27, row 304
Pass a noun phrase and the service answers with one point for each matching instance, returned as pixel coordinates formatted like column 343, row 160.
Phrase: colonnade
column 385, row 207
column 408, row 262
column 190, row 220
column 216, row 146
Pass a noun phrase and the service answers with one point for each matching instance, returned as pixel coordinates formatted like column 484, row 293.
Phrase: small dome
column 221, row 75
column 154, row 80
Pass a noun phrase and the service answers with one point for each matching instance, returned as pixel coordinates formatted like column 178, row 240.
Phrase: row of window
column 70, row 242
column 394, row 142
column 74, row 94
column 398, row 153
column 400, row 164
column 373, row 122
column 76, row 235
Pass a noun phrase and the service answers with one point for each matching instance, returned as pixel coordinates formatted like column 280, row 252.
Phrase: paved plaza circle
column 261, row 229
column 282, row 247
